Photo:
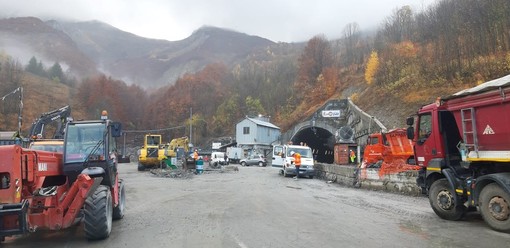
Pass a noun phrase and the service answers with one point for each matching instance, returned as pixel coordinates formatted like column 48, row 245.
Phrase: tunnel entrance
column 320, row 140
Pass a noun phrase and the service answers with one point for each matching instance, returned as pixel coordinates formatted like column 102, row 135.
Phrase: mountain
column 25, row 37
column 151, row 62
column 87, row 48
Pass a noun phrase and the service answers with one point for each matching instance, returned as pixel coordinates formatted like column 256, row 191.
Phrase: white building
column 256, row 134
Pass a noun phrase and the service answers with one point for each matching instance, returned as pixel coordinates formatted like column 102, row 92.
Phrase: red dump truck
column 462, row 143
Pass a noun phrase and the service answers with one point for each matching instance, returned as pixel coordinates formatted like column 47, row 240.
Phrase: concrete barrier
column 348, row 175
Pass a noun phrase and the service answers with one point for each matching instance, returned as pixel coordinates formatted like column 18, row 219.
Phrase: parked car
column 254, row 160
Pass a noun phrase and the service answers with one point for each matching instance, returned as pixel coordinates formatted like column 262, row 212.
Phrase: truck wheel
column 442, row 201
column 141, row 167
column 118, row 211
column 495, row 207
column 98, row 214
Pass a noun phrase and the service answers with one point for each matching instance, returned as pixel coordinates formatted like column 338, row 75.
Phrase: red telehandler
column 51, row 190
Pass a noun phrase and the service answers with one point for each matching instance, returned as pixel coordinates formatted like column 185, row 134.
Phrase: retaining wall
column 349, row 175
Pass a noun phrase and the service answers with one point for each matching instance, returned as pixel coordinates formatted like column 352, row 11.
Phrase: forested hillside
column 411, row 59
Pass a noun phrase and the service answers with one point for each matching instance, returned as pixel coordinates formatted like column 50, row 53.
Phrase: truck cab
column 90, row 144
column 284, row 162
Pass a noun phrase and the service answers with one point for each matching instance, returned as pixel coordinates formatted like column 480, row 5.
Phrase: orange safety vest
column 297, row 159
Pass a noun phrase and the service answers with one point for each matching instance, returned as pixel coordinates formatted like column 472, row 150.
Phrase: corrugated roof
column 490, row 85
column 263, row 123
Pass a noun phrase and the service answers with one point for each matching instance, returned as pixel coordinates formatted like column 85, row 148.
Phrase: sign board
column 216, row 146
column 331, row 113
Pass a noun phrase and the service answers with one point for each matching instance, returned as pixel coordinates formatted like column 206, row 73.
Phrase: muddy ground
column 255, row 207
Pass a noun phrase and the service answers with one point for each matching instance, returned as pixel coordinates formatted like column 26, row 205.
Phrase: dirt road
column 256, row 207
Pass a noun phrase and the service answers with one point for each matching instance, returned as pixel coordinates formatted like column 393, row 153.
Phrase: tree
column 372, row 67
column 253, row 106
column 351, row 38
column 35, row 67
column 227, row 114
column 55, row 73
column 399, row 26
column 316, row 56
column 32, row 65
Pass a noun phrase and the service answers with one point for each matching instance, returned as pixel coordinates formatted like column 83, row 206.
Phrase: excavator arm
column 59, row 115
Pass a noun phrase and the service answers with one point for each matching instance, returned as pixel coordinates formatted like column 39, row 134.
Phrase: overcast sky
column 277, row 20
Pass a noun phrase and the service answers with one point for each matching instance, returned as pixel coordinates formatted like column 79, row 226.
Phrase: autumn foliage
column 372, row 66
column 412, row 57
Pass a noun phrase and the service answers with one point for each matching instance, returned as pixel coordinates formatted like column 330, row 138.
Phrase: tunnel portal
column 320, row 140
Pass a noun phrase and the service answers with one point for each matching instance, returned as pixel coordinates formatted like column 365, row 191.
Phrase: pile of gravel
column 170, row 173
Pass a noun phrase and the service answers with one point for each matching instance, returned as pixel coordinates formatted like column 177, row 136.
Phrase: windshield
column 48, row 147
column 83, row 140
column 305, row 152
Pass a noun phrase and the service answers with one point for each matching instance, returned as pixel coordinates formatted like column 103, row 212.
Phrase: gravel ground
column 255, row 207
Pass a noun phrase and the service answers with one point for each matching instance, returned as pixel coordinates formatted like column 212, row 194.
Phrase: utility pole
column 20, row 113
column 191, row 125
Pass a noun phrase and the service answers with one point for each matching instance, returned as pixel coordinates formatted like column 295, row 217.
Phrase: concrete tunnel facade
column 320, row 140
column 337, row 121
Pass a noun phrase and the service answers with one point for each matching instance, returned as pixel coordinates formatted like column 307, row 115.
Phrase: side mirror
column 116, row 129
column 410, row 121
column 410, row 133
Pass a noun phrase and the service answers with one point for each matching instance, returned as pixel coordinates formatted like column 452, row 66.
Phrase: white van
column 283, row 161
column 217, row 159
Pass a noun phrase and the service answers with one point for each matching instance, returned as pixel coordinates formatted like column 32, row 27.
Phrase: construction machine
column 387, row 147
column 53, row 190
column 152, row 152
column 390, row 151
column 462, row 144
column 59, row 116
column 177, row 148
column 38, row 140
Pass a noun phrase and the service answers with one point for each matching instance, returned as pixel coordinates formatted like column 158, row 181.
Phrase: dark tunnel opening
column 320, row 140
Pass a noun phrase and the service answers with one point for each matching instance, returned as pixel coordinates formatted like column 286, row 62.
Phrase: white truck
column 235, row 154
column 283, row 161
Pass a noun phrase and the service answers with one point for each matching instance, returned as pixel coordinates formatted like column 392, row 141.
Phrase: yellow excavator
column 152, row 152
column 179, row 149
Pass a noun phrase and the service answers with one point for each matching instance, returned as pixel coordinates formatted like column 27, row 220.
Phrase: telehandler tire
column 118, row 211
column 442, row 201
column 98, row 214
column 495, row 207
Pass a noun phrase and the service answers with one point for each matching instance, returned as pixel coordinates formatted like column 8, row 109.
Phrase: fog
column 277, row 20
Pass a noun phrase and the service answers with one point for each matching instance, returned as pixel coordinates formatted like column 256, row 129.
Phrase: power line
column 152, row 130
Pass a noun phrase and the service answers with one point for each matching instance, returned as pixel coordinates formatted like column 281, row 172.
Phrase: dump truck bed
column 482, row 115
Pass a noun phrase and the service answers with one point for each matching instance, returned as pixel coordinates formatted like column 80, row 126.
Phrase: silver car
column 254, row 160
